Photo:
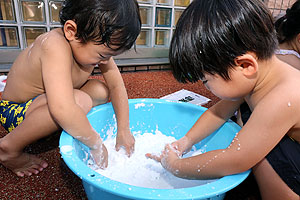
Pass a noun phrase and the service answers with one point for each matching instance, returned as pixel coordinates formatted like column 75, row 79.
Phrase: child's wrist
column 175, row 167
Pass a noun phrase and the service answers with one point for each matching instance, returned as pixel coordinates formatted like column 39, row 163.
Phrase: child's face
column 233, row 89
column 91, row 54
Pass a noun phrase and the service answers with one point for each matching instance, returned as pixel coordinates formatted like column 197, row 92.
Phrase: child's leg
column 278, row 175
column 97, row 90
column 38, row 123
column 271, row 186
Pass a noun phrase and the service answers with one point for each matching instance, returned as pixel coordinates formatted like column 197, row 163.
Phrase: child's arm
column 56, row 69
column 207, row 123
column 119, row 99
column 264, row 129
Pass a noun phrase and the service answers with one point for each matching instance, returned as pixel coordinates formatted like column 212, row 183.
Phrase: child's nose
column 104, row 62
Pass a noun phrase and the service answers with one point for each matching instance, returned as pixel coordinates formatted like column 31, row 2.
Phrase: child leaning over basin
column 48, row 88
column 288, row 35
column 229, row 46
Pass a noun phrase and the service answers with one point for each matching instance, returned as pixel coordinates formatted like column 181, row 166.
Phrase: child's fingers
column 175, row 146
column 170, row 151
column 117, row 147
column 129, row 150
column 153, row 156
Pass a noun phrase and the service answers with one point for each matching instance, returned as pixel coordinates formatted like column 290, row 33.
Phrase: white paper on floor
column 187, row 96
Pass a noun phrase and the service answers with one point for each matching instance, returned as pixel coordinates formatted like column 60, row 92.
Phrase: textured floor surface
column 58, row 182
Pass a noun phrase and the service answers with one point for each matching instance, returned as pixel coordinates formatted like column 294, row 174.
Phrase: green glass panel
column 32, row 33
column 145, row 15
column 168, row 2
column 8, row 37
column 162, row 37
column 145, row 1
column 177, row 15
column 33, row 11
column 163, row 17
column 143, row 38
column 55, row 9
column 183, row 3
column 6, row 10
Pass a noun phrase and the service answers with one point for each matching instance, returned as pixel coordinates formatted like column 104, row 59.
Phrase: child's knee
column 83, row 100
column 97, row 90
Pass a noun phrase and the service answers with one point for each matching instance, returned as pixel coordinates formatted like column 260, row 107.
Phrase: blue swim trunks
column 12, row 113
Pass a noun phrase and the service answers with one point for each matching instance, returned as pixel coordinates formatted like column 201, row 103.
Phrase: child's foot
column 22, row 164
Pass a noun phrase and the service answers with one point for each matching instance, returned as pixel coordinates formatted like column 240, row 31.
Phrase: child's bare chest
column 80, row 76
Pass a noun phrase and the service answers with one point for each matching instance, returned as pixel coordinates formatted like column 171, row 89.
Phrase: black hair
column 109, row 22
column 210, row 34
column 288, row 26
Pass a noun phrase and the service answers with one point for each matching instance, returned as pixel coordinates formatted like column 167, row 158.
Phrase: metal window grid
column 20, row 24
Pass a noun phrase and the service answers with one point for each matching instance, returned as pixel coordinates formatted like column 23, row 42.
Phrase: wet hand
column 100, row 156
column 125, row 140
column 183, row 145
column 167, row 158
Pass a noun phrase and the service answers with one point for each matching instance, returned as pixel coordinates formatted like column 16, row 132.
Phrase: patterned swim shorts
column 12, row 113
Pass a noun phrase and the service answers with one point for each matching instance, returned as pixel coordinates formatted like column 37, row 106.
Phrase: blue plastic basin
column 148, row 115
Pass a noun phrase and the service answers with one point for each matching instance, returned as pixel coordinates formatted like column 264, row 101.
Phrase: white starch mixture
column 138, row 170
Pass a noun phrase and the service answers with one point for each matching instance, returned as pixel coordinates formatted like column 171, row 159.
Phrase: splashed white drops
column 138, row 105
column 66, row 149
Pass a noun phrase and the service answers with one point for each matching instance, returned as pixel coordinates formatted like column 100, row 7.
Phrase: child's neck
column 269, row 74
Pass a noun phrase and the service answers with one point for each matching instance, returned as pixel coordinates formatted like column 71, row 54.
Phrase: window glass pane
column 146, row 16
column 168, row 2
column 184, row 3
column 162, row 37
column 6, row 10
column 143, row 38
column 33, row 11
column 144, row 1
column 163, row 17
column 177, row 14
column 55, row 8
column 32, row 33
column 8, row 37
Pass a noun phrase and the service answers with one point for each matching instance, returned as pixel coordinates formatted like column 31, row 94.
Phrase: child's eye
column 102, row 56
column 204, row 81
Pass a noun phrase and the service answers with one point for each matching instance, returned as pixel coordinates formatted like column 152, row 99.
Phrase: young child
column 229, row 46
column 288, row 35
column 288, row 32
column 48, row 88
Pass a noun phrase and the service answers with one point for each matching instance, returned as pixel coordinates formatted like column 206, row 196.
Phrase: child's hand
column 125, row 139
column 183, row 145
column 100, row 156
column 168, row 158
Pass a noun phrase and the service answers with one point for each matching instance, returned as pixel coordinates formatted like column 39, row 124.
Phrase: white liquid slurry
column 138, row 170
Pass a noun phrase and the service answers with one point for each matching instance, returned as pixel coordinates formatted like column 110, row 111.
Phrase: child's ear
column 70, row 30
column 248, row 64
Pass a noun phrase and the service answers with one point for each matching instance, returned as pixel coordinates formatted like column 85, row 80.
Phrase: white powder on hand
column 138, row 170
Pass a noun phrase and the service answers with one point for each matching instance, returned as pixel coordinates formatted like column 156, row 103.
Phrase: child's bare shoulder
column 52, row 41
column 283, row 99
